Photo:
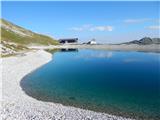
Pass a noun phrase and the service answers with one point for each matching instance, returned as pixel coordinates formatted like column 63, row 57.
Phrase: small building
column 68, row 41
column 92, row 42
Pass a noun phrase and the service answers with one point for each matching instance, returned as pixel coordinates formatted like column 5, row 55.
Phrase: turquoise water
column 119, row 83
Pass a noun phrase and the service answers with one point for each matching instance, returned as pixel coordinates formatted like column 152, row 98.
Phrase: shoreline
column 114, row 47
column 17, row 105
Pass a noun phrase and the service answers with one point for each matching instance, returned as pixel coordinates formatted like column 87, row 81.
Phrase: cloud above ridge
column 89, row 27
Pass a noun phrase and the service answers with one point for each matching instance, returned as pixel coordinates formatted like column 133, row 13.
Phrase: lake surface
column 119, row 83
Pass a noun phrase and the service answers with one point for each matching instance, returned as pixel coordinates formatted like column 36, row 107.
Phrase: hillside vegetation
column 15, row 38
column 13, row 33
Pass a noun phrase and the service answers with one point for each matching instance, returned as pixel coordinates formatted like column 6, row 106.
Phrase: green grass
column 39, row 39
column 18, row 42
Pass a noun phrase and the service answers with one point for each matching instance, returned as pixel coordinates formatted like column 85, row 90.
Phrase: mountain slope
column 16, row 34
column 145, row 41
column 15, row 38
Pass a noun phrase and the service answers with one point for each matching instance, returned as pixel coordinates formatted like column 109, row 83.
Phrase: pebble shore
column 16, row 105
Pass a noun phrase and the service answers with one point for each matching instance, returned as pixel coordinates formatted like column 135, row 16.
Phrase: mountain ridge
column 144, row 41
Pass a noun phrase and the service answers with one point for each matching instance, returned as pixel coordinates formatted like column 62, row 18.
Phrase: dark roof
column 68, row 39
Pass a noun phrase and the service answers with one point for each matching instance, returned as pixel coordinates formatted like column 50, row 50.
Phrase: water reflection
column 62, row 50
column 69, row 50
column 96, row 55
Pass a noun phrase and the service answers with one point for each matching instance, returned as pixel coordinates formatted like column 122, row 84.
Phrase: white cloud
column 154, row 27
column 76, row 29
column 86, row 26
column 102, row 28
column 136, row 20
column 90, row 27
column 157, row 20
column 82, row 28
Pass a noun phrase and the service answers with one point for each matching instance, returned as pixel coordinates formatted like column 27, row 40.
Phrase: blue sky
column 108, row 22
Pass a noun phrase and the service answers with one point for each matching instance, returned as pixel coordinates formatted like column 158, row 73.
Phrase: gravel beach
column 16, row 105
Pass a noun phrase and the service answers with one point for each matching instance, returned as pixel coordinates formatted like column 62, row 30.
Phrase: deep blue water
column 120, row 83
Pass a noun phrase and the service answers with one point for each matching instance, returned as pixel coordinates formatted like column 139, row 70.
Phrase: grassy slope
column 7, row 35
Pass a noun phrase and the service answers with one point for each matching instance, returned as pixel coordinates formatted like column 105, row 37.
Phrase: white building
column 92, row 42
